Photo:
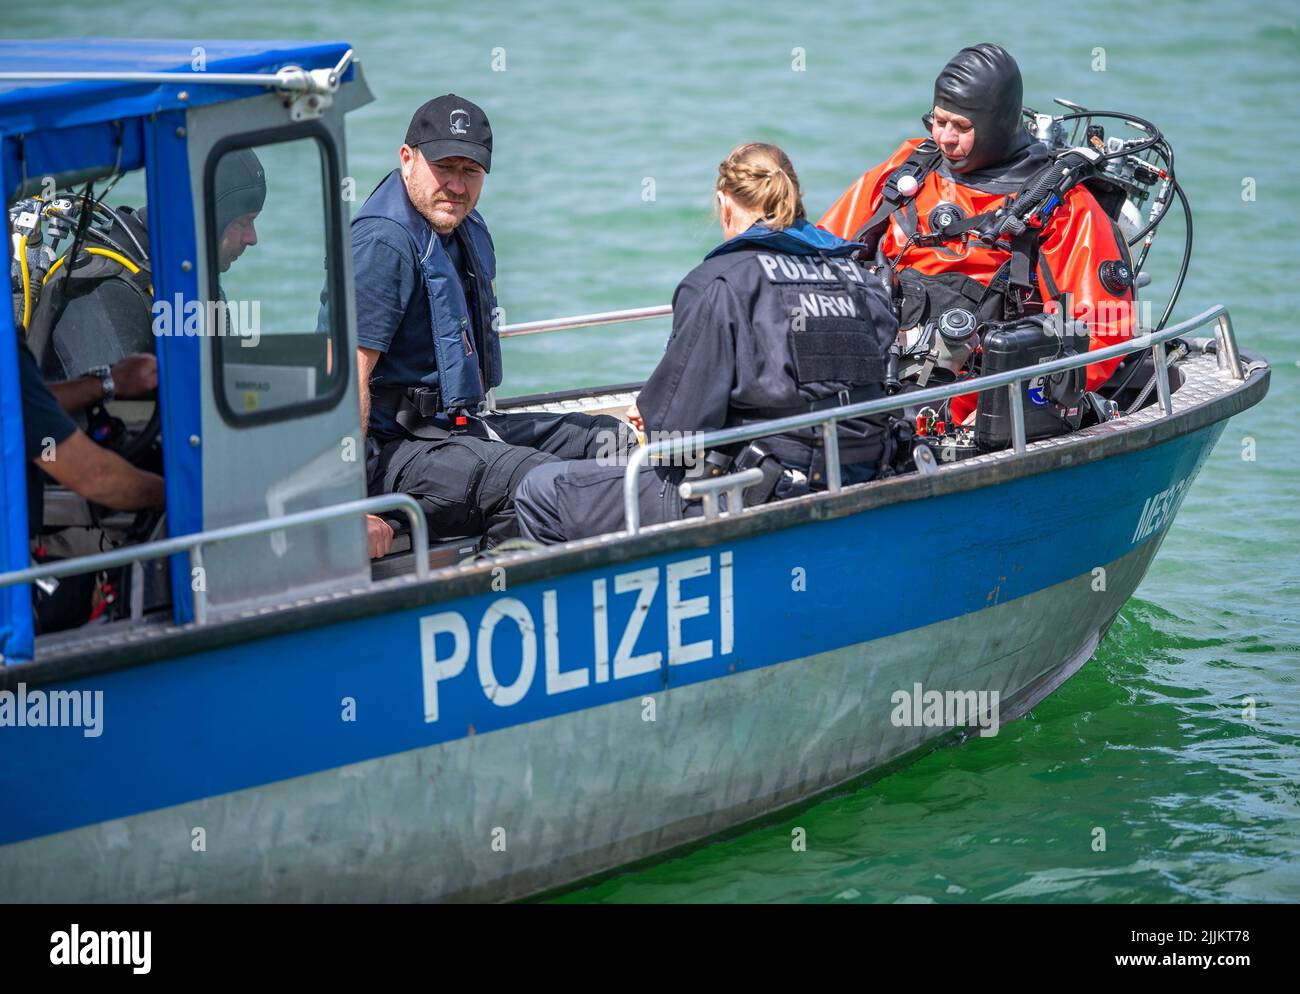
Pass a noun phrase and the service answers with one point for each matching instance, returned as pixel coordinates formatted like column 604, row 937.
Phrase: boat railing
column 195, row 543
column 689, row 444
column 587, row 320
column 594, row 320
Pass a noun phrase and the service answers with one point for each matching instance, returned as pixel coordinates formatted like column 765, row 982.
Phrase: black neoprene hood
column 239, row 186
column 982, row 83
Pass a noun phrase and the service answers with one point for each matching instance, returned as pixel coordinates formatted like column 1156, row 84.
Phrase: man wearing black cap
column 428, row 350
column 979, row 151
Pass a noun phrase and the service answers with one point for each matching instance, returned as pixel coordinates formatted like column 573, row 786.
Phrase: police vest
column 466, row 351
column 821, row 326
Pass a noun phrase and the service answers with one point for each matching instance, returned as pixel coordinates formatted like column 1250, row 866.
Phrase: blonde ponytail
column 760, row 178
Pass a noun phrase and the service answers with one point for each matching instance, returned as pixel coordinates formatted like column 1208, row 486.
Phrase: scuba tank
column 96, row 308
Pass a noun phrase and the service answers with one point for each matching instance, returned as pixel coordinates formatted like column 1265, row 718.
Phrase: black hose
column 1046, row 179
column 1133, row 371
column 1151, row 225
column 1142, row 123
column 1187, row 257
column 1168, row 358
column 103, row 237
column 79, row 235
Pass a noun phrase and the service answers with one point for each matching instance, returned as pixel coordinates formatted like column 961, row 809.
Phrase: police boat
column 258, row 713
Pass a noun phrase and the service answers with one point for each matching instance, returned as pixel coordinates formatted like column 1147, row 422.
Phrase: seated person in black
column 778, row 320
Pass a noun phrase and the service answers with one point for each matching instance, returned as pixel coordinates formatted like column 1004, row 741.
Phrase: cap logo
column 459, row 122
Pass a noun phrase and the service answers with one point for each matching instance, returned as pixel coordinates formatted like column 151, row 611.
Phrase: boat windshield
column 276, row 309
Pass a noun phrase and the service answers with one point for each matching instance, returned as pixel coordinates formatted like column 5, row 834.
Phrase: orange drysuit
column 1077, row 239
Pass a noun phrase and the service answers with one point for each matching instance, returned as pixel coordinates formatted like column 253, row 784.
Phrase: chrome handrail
column 733, row 485
column 194, row 543
column 1228, row 359
column 294, row 78
column 586, row 320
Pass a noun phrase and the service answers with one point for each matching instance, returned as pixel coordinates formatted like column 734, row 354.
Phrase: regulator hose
column 1187, row 256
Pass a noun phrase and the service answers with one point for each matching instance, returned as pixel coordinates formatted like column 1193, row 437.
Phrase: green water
column 1148, row 741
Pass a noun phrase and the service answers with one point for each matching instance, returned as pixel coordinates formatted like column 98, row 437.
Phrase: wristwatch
column 105, row 376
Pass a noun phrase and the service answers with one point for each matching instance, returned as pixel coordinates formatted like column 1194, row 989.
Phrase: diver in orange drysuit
column 984, row 152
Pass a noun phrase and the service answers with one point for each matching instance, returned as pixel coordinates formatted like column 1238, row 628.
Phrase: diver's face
column 239, row 235
column 444, row 192
column 954, row 134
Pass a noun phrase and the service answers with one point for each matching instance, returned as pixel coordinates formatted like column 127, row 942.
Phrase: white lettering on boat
column 440, row 663
column 645, row 582
column 1158, row 510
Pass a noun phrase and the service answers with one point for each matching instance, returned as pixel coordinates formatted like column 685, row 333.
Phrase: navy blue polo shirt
column 44, row 423
column 393, row 310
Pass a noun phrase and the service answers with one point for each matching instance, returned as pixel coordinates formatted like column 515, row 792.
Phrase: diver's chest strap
column 923, row 160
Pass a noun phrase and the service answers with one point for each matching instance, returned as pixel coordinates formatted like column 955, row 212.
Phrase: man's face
column 239, row 234
column 953, row 133
column 444, row 192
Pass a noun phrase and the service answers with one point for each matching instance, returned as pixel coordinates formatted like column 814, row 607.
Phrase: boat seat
column 400, row 559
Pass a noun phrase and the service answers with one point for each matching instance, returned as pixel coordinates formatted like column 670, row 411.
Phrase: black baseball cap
column 450, row 125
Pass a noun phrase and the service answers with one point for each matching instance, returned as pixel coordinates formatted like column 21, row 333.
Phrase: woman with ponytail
column 778, row 320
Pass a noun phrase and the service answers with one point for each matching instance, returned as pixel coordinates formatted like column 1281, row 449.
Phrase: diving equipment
column 945, row 442
column 1119, row 172
column 944, row 215
column 1052, row 403
column 944, row 344
column 957, row 340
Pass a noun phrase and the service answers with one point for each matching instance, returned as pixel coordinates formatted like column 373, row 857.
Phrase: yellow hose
column 27, row 281
column 117, row 257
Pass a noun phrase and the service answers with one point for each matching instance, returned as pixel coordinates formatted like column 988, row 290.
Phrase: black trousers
column 466, row 482
column 564, row 501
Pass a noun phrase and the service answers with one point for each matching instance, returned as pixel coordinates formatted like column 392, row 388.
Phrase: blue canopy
column 27, row 107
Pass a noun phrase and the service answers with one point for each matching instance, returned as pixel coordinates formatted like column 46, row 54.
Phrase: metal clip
column 309, row 94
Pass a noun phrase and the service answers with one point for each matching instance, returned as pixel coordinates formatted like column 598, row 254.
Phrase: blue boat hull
column 501, row 743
